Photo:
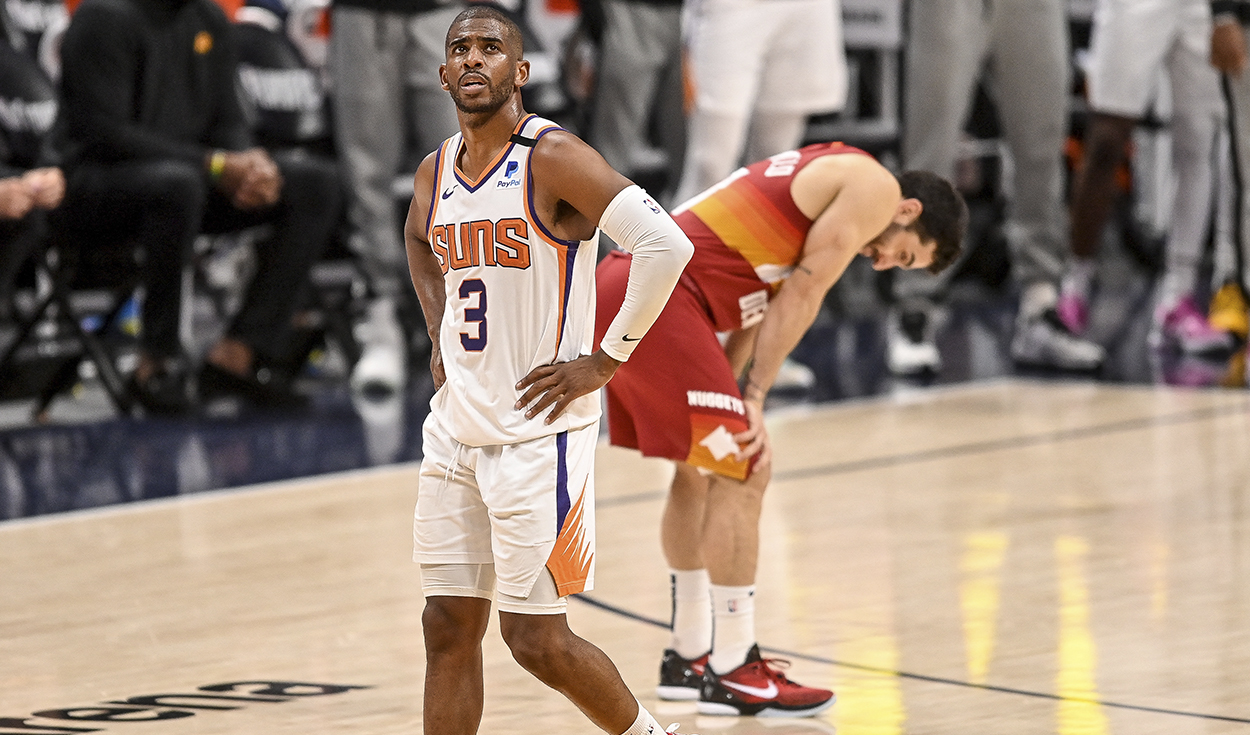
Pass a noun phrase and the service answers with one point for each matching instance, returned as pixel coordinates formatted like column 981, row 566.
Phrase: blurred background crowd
column 201, row 203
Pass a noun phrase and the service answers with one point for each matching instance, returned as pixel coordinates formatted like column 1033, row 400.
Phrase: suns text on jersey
column 482, row 242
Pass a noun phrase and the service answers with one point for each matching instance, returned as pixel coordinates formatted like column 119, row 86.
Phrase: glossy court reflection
column 1011, row 557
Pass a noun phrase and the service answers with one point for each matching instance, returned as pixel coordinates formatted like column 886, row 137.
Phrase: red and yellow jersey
column 748, row 235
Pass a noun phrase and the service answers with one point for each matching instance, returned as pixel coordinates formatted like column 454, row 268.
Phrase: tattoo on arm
column 804, row 268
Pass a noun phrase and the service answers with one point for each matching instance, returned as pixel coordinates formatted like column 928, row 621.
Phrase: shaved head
column 512, row 32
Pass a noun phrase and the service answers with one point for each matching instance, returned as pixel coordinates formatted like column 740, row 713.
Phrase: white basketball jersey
column 517, row 296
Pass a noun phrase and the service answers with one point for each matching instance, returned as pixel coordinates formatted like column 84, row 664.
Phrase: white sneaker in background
column 1046, row 341
column 794, row 376
column 382, row 417
column 910, row 345
column 382, row 368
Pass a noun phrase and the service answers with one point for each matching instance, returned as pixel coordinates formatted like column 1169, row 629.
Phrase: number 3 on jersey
column 474, row 314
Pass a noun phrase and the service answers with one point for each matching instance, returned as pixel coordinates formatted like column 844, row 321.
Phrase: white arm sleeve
column 661, row 250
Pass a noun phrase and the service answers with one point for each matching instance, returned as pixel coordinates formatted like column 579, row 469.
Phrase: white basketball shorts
column 768, row 56
column 522, row 507
column 1135, row 41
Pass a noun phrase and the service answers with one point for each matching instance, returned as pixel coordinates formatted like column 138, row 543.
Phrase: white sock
column 646, row 724
column 1036, row 298
column 692, row 612
column 733, row 609
column 1080, row 277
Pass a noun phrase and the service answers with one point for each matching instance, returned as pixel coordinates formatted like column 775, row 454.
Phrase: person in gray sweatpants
column 1230, row 54
column 1022, row 45
column 640, row 84
column 390, row 110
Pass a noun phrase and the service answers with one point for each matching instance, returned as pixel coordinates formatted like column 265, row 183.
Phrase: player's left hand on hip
column 754, row 441
column 558, row 385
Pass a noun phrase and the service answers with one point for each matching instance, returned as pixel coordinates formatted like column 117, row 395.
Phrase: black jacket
column 148, row 80
column 28, row 108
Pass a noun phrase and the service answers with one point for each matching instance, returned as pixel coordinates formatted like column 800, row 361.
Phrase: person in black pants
column 157, row 150
column 29, row 184
column 25, row 195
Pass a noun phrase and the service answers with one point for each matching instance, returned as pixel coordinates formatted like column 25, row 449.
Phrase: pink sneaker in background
column 1073, row 311
column 1188, row 329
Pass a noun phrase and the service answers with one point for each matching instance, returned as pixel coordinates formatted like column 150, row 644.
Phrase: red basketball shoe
column 757, row 688
column 680, row 678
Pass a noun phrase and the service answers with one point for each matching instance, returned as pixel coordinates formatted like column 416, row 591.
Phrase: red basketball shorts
column 676, row 396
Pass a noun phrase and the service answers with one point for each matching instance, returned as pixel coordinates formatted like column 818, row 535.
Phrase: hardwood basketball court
column 1007, row 557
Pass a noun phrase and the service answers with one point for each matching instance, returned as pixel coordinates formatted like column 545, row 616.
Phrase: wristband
column 216, row 164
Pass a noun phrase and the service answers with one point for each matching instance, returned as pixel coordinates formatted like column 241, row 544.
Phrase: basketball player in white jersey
column 500, row 240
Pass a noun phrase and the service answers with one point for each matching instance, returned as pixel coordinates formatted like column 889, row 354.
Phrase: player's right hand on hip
column 558, row 385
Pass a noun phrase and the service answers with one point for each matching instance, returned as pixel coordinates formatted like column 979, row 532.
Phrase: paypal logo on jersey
column 511, row 176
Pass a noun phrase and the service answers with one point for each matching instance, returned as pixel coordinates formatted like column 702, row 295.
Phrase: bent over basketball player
column 769, row 242
column 500, row 248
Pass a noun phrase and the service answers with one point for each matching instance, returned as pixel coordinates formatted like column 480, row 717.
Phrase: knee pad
column 478, row 580
column 543, row 599
column 458, row 580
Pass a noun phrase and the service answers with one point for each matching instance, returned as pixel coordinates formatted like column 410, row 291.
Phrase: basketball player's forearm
column 651, row 282
column 660, row 252
column 427, row 281
column 739, row 348
column 788, row 318
column 829, row 249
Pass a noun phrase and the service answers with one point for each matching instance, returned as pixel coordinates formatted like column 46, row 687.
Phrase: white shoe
column 382, row 418
column 910, row 346
column 794, row 376
column 382, row 368
column 1045, row 341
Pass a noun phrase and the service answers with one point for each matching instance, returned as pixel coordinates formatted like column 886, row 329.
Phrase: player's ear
column 442, row 78
column 908, row 212
column 522, row 72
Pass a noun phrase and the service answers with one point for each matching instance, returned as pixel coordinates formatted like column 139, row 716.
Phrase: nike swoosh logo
column 628, row 338
column 450, row 190
column 767, row 692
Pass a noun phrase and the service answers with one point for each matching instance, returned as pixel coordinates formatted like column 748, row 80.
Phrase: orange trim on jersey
column 532, row 216
column 744, row 219
column 705, row 429
column 572, row 556
column 527, row 195
column 438, row 182
column 490, row 168
column 562, row 251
